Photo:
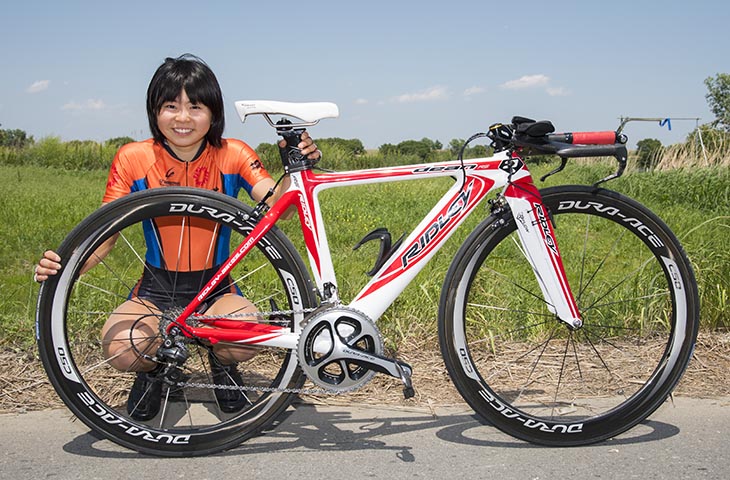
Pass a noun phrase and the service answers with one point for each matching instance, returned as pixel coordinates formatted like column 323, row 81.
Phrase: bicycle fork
column 540, row 248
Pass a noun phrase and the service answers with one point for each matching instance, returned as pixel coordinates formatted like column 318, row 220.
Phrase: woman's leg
column 138, row 319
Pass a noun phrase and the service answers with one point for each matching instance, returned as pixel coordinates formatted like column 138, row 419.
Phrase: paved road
column 686, row 440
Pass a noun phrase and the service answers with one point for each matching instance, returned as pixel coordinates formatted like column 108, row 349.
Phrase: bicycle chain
column 254, row 314
column 245, row 388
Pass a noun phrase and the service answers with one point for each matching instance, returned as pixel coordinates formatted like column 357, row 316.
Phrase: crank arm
column 389, row 366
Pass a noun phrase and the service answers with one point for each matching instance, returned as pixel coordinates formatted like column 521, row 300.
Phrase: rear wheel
column 531, row 375
column 73, row 307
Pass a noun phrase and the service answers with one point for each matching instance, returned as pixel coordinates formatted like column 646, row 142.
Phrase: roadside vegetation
column 48, row 186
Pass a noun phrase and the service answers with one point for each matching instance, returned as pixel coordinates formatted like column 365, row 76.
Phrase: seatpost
column 291, row 157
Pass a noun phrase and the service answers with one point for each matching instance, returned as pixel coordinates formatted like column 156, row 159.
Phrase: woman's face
column 184, row 125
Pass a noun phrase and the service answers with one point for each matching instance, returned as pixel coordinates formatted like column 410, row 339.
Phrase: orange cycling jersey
column 198, row 246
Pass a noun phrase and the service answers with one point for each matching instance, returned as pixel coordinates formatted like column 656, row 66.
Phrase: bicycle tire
column 72, row 308
column 529, row 374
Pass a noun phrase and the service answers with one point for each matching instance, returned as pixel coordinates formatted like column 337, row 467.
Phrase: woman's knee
column 130, row 335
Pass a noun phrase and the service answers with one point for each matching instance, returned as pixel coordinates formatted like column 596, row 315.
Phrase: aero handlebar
column 585, row 138
column 529, row 137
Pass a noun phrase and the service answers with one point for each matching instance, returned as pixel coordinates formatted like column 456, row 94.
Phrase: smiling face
column 184, row 124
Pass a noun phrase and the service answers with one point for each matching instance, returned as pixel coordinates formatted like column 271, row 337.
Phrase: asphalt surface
column 686, row 439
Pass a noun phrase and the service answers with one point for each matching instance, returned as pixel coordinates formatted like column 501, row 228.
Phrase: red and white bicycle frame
column 473, row 181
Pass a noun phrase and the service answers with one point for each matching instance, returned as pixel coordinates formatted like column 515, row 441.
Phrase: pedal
column 405, row 375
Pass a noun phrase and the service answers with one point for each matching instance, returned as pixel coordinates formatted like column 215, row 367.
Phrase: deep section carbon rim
column 73, row 308
column 534, row 377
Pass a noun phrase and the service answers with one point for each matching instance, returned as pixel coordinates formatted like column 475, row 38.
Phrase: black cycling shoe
column 144, row 398
column 229, row 401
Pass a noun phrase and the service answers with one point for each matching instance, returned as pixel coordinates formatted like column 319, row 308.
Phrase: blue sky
column 397, row 70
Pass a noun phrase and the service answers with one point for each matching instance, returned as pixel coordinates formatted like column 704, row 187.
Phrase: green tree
column 269, row 155
column 432, row 144
column 455, row 146
column 416, row 148
column 388, row 150
column 718, row 97
column 649, row 151
column 15, row 138
column 349, row 147
column 117, row 142
column 475, row 151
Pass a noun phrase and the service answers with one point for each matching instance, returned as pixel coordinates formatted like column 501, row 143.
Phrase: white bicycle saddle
column 308, row 112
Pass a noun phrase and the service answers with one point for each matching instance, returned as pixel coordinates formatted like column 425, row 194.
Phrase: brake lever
column 563, row 163
column 621, row 157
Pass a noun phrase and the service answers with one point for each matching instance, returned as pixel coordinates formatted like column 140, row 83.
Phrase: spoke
column 619, row 283
column 628, row 300
column 100, row 289
column 609, row 327
column 575, row 355
column 509, row 280
column 601, row 263
column 248, row 274
column 208, row 256
column 183, row 224
column 142, row 262
column 560, row 375
column 106, row 361
column 528, row 381
column 510, row 332
column 118, row 295
column 165, row 402
column 583, row 258
column 97, row 313
column 267, row 297
column 511, row 310
column 598, row 354
column 605, row 339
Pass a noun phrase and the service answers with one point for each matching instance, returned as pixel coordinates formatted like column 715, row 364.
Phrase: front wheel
column 532, row 376
column 74, row 306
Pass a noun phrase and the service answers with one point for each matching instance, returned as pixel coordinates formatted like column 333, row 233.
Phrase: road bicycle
column 559, row 346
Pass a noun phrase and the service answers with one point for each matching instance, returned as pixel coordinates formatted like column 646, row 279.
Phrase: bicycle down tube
column 473, row 181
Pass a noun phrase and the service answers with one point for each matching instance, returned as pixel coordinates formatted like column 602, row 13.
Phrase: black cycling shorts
column 167, row 288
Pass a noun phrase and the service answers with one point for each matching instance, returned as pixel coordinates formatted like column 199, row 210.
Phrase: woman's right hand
column 47, row 266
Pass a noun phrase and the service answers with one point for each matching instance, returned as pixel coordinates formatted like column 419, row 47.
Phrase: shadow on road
column 336, row 429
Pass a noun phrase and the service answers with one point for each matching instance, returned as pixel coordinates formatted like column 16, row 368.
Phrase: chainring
column 321, row 343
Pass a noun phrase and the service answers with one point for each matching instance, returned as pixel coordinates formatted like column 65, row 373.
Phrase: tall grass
column 41, row 205
column 693, row 155
column 54, row 153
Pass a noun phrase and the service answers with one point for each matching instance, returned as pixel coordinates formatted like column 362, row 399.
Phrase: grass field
column 39, row 206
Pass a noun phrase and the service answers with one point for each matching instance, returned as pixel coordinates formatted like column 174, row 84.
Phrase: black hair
column 190, row 73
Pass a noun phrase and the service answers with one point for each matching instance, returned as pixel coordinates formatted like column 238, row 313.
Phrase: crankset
column 340, row 349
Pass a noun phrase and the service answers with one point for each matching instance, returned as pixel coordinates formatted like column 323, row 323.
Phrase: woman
column 185, row 112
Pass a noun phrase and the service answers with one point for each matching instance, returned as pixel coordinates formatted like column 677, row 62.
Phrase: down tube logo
column 438, row 226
